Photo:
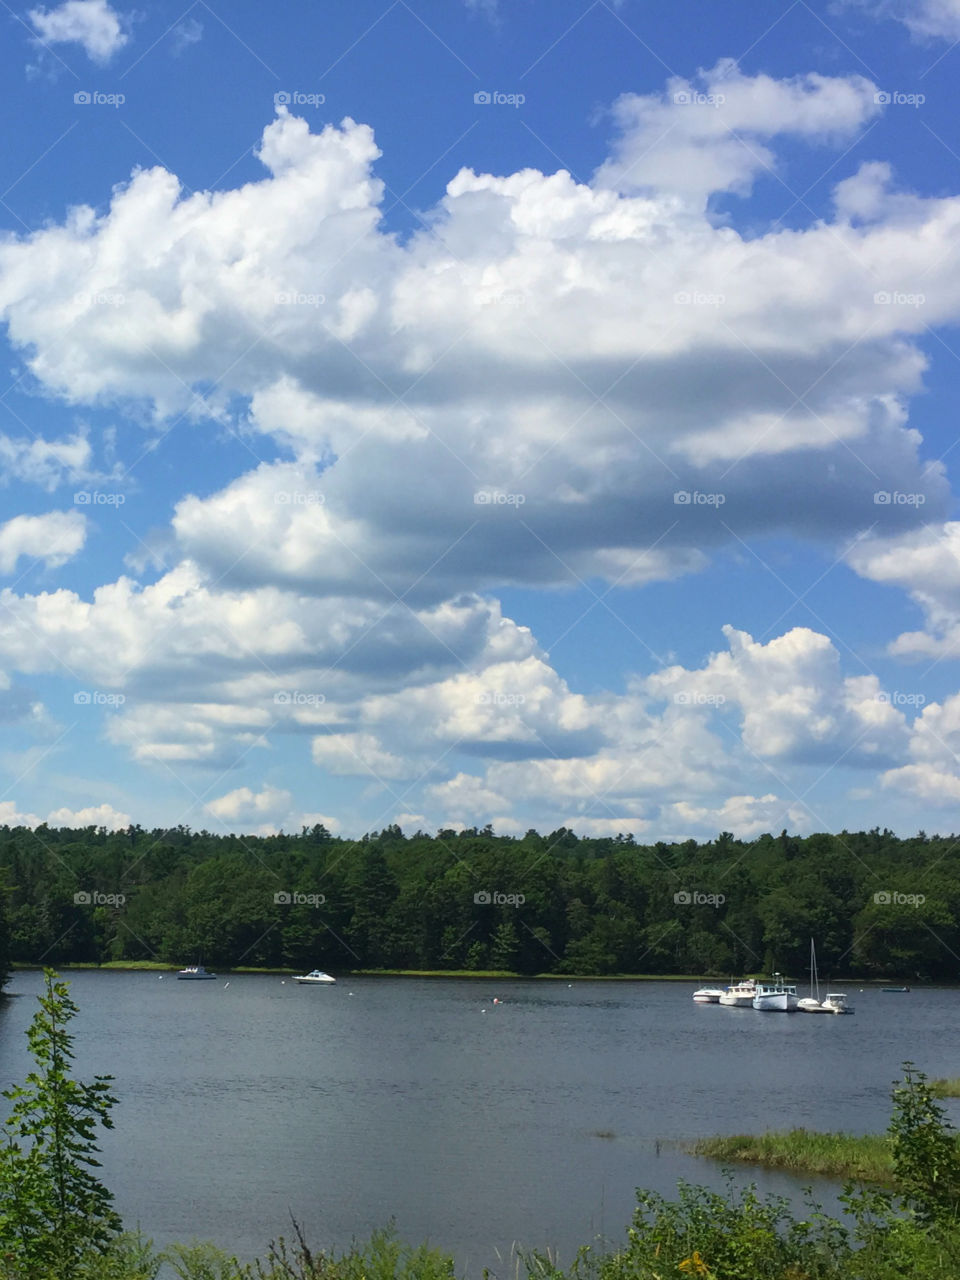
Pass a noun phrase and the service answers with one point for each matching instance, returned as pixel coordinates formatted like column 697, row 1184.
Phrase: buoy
column 225, row 985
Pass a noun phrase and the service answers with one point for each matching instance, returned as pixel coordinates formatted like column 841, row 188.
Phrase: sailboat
column 811, row 1003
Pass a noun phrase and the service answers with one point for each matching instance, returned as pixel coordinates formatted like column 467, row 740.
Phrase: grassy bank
column 830, row 1155
column 945, row 1087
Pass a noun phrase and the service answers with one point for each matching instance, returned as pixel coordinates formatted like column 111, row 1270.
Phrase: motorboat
column 739, row 995
column 836, row 1002
column 895, row 990
column 316, row 978
column 708, row 995
column 194, row 973
column 812, row 1003
column 776, row 996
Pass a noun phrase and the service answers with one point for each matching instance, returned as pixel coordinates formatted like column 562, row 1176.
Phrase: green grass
column 945, row 1088
column 831, row 1155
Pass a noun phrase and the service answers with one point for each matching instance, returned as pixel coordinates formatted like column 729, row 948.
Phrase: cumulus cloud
column 244, row 805
column 101, row 815
column 92, row 24
column 53, row 538
column 930, row 19
column 704, row 136
column 926, row 563
column 552, row 382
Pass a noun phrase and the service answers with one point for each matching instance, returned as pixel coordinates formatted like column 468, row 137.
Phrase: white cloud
column 53, row 538
column 703, row 136
column 101, row 815
column 244, row 805
column 46, row 463
column 937, row 19
column 926, row 563
column 90, row 23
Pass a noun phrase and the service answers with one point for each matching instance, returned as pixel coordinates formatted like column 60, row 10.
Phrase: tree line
column 877, row 905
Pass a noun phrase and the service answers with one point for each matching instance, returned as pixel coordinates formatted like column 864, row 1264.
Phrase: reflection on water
column 471, row 1123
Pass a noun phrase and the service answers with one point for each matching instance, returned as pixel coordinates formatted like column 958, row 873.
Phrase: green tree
column 925, row 1154
column 54, row 1211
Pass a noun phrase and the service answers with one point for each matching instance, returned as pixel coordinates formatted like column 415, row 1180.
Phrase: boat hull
column 195, row 977
column 812, row 1006
column 736, row 1002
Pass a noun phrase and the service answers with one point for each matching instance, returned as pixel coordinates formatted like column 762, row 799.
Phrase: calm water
column 382, row 1098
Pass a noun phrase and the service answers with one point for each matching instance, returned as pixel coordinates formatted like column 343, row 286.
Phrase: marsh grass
column 831, row 1155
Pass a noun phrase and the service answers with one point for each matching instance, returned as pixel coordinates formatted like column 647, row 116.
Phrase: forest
column 877, row 905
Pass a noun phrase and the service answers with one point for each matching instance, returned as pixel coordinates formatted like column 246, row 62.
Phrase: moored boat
column 316, row 978
column 776, row 996
column 836, row 1002
column 708, row 995
column 812, row 1003
column 194, row 973
column 739, row 995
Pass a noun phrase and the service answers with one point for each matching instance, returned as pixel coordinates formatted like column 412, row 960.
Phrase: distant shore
column 158, row 966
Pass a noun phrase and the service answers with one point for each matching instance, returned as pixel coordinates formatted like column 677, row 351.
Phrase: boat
column 316, row 978
column 739, row 995
column 895, row 989
column 836, row 1002
column 708, row 995
column 776, row 996
column 194, row 973
column 811, row 1003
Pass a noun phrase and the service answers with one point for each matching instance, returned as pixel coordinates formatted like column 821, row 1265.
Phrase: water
column 399, row 1098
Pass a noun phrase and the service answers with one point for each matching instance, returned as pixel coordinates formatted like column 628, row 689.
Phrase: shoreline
column 158, row 966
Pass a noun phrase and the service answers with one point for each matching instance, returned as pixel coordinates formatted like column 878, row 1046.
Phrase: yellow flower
column 694, row 1265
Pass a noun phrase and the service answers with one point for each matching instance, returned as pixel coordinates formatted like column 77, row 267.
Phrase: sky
column 449, row 412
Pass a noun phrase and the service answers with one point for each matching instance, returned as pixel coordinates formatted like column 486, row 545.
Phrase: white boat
column 316, row 978
column 194, row 973
column 836, row 1002
column 776, row 996
column 739, row 995
column 811, row 1004
column 708, row 995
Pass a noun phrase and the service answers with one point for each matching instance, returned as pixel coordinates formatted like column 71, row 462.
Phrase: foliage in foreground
column 57, row 1221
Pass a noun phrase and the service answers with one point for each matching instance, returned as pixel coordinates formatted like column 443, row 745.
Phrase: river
column 471, row 1124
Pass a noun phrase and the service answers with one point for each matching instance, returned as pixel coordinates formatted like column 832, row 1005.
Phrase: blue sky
column 447, row 413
